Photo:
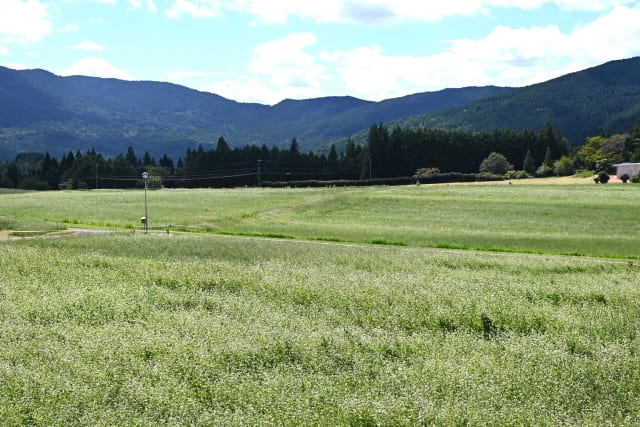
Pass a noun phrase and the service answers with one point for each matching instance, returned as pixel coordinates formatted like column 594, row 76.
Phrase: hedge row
column 403, row 180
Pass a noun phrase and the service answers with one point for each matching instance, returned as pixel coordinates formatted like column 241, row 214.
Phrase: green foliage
column 496, row 164
column 603, row 177
column 512, row 174
column 528, row 164
column 564, row 166
column 598, row 100
column 544, row 171
column 625, row 177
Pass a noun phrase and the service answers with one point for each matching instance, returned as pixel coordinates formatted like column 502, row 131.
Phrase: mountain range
column 40, row 111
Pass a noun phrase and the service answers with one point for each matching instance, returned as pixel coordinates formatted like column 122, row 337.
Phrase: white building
column 630, row 169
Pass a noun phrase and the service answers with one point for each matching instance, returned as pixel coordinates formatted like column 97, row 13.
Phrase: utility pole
column 96, row 176
column 259, row 180
column 370, row 175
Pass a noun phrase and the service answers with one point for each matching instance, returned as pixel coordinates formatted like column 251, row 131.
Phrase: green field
column 210, row 329
column 594, row 220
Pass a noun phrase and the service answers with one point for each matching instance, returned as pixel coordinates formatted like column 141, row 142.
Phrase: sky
column 269, row 50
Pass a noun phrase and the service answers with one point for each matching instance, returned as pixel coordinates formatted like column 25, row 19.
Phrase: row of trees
column 404, row 150
column 387, row 154
column 217, row 167
column 600, row 153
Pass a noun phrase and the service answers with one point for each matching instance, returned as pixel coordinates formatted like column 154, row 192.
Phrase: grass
column 202, row 329
column 429, row 305
column 587, row 220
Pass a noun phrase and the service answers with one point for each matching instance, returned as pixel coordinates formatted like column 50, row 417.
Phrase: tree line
column 387, row 154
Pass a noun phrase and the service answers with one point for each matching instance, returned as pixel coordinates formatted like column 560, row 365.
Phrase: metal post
column 145, row 175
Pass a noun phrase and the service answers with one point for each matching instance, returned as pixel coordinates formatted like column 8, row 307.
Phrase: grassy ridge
column 562, row 219
column 200, row 329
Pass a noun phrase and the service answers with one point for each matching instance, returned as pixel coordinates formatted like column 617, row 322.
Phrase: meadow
column 593, row 220
column 220, row 329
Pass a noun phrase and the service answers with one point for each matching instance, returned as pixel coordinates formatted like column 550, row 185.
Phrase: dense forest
column 387, row 154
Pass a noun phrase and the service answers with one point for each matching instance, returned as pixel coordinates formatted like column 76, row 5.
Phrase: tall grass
column 560, row 219
column 200, row 329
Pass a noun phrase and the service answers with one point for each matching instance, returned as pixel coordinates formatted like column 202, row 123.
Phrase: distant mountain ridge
column 40, row 112
column 44, row 112
column 598, row 100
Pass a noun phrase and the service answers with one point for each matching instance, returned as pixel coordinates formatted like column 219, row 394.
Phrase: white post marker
column 145, row 175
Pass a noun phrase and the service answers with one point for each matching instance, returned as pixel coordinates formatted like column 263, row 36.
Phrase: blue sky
column 266, row 51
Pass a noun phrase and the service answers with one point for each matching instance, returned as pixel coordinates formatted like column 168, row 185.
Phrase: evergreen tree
column 131, row 157
column 548, row 158
column 166, row 162
column 294, row 149
column 147, row 160
column 528, row 165
column 332, row 159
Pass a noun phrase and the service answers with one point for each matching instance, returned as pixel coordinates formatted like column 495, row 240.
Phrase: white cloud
column 17, row 67
column 95, row 67
column 369, row 11
column 293, row 67
column 506, row 57
column 246, row 90
column 88, row 45
column 4, row 50
column 24, row 21
column 286, row 64
column 179, row 75
column 195, row 8
column 137, row 4
column 279, row 69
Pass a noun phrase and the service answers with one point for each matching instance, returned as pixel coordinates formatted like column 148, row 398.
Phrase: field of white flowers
column 128, row 329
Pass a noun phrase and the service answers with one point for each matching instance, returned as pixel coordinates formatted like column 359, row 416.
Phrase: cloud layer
column 295, row 62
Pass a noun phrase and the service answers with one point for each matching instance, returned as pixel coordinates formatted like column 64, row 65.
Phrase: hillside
column 603, row 99
column 44, row 112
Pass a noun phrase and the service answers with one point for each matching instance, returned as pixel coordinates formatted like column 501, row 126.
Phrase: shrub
column 625, row 178
column 603, row 177
column 636, row 178
column 496, row 164
column 544, row 171
column 564, row 166
column 517, row 175
column 425, row 173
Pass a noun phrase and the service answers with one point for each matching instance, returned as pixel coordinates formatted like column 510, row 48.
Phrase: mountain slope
column 597, row 100
column 40, row 111
column 44, row 112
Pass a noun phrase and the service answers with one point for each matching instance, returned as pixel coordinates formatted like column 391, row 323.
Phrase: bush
column 5, row 182
column 636, row 178
column 564, row 166
column 544, row 171
column 603, row 177
column 517, row 175
column 32, row 183
column 425, row 173
column 496, row 164
column 625, row 178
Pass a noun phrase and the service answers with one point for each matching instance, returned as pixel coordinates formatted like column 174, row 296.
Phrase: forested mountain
column 599, row 100
column 41, row 112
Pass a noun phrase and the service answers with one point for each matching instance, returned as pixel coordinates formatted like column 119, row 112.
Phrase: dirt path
column 6, row 234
